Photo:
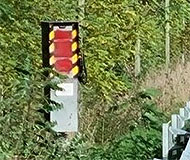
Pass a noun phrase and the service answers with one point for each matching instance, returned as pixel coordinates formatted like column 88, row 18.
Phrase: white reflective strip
column 67, row 89
column 66, row 28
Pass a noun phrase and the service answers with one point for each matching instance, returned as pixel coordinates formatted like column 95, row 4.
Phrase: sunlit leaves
column 24, row 131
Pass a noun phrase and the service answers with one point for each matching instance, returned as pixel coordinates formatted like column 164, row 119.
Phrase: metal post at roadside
column 60, row 48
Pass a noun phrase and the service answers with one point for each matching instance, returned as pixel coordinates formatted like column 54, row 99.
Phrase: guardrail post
column 173, row 129
column 166, row 140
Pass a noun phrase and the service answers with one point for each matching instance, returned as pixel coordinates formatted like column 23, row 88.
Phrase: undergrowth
column 142, row 140
column 114, row 124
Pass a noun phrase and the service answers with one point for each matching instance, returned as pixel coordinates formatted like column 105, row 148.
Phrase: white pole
column 137, row 58
column 81, row 4
column 167, row 43
column 183, row 51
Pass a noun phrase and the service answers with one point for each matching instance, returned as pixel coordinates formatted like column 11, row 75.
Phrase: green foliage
column 24, row 132
column 127, row 124
column 111, row 29
column 142, row 143
column 143, row 140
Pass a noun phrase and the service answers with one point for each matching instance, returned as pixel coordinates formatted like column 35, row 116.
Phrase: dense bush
column 143, row 140
column 110, row 31
column 24, row 132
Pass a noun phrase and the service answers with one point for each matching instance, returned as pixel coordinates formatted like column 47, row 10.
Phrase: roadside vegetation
column 120, row 114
